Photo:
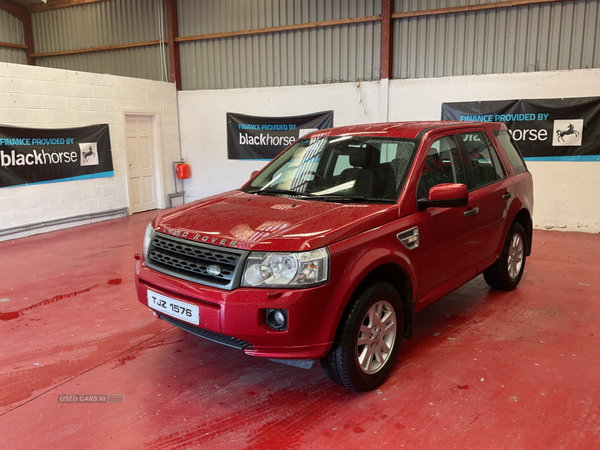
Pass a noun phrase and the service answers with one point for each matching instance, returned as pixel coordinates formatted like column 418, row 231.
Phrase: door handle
column 471, row 212
column 507, row 196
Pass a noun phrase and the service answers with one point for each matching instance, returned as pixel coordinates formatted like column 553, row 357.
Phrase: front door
column 448, row 250
column 141, row 170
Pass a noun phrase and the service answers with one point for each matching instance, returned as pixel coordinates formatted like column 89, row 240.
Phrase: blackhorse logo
column 560, row 134
column 89, row 153
column 567, row 132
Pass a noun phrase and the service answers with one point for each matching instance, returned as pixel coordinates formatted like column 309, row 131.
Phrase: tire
column 365, row 347
column 505, row 274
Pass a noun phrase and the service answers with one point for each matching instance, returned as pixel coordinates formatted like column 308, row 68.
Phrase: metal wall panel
column 323, row 55
column 553, row 36
column 561, row 35
column 102, row 24
column 11, row 31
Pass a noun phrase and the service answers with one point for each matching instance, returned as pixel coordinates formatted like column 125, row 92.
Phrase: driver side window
column 443, row 165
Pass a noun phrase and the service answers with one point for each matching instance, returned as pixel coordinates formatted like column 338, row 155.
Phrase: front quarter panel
column 354, row 258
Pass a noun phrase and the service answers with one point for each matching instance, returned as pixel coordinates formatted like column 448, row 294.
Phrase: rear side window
column 483, row 158
column 514, row 156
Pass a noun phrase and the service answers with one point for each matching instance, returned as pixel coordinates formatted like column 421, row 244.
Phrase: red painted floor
column 485, row 370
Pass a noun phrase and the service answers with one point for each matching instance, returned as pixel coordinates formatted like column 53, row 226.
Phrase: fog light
column 276, row 319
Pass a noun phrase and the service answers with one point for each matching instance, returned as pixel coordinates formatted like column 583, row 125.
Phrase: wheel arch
column 400, row 279
column 524, row 218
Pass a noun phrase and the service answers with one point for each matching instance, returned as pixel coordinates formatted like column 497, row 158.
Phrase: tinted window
column 443, row 165
column 514, row 156
column 483, row 158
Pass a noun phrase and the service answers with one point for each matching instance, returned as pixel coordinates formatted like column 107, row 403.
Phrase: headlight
column 147, row 240
column 286, row 269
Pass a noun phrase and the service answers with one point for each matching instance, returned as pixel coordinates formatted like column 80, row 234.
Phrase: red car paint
column 455, row 245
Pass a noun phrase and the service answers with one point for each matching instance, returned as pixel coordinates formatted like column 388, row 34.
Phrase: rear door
column 490, row 193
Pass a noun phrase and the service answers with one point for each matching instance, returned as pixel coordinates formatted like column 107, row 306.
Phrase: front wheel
column 368, row 340
column 505, row 274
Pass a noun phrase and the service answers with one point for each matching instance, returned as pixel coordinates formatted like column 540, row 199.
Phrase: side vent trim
column 409, row 238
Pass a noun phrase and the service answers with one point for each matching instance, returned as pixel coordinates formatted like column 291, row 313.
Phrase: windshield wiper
column 351, row 198
column 280, row 191
column 327, row 197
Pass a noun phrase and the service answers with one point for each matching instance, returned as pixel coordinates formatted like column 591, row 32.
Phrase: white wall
column 565, row 192
column 37, row 97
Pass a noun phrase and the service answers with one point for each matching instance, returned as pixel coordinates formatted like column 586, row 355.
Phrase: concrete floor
column 485, row 370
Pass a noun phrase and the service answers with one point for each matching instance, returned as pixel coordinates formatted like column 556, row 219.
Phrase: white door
column 141, row 170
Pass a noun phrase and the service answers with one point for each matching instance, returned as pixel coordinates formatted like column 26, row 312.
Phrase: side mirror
column 254, row 173
column 445, row 195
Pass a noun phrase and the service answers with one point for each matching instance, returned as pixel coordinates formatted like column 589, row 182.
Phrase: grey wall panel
column 98, row 24
column 139, row 62
column 198, row 17
column 102, row 24
column 11, row 31
column 12, row 55
column 322, row 55
column 553, row 36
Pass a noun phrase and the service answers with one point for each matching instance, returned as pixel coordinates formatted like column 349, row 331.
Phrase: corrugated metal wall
column 554, row 36
column 101, row 24
column 324, row 55
column 561, row 35
column 11, row 31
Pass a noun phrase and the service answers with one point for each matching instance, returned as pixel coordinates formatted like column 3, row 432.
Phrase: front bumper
column 240, row 314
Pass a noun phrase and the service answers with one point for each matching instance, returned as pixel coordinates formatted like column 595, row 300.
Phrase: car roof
column 408, row 130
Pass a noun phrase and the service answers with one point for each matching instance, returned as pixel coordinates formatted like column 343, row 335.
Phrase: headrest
column 360, row 157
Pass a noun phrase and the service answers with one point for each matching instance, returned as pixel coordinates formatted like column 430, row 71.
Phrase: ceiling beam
column 470, row 8
column 106, row 48
column 11, row 45
column 278, row 29
column 25, row 17
column 58, row 5
column 12, row 8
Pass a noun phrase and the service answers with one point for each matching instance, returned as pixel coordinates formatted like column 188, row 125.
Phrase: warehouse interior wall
column 564, row 190
column 38, row 97
column 203, row 124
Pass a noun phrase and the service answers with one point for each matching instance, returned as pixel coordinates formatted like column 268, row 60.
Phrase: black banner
column 551, row 129
column 29, row 155
column 252, row 137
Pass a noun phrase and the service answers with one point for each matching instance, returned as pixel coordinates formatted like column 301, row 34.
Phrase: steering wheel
column 319, row 176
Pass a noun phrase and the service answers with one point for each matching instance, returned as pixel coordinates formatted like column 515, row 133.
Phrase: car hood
column 269, row 223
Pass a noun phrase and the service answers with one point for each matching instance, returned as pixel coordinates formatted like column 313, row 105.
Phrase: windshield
column 346, row 168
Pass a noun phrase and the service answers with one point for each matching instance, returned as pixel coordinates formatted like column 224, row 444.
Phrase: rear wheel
column 368, row 340
column 506, row 273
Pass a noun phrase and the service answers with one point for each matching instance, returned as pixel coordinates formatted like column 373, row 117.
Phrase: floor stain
column 15, row 314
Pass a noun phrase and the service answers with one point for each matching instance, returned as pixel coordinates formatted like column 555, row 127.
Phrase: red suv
column 330, row 250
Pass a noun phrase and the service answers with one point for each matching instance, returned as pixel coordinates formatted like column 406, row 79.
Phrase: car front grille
column 190, row 261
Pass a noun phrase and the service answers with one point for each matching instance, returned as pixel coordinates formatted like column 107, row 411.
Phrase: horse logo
column 570, row 130
column 89, row 153
column 567, row 132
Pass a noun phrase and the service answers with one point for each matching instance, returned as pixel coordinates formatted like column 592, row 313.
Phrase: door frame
column 158, row 157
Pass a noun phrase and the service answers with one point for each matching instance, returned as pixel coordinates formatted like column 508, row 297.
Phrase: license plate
column 174, row 308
